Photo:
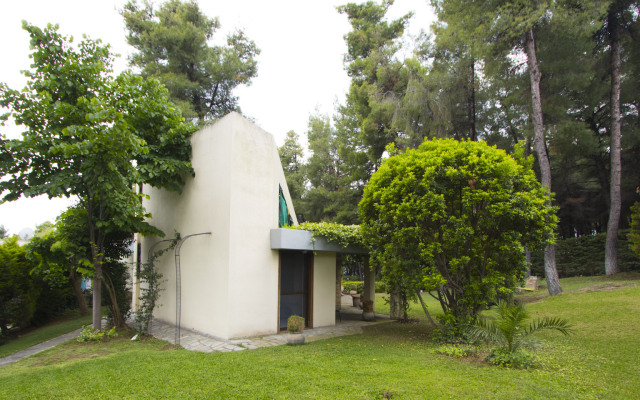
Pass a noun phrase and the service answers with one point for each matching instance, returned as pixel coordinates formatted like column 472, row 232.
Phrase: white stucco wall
column 253, row 266
column 324, row 289
column 229, row 278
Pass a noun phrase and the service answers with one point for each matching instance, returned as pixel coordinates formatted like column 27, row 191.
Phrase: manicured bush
column 453, row 217
column 634, row 232
column 358, row 286
column 295, row 324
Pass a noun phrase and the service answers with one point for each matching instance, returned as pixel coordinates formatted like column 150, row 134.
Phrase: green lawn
column 65, row 324
column 599, row 361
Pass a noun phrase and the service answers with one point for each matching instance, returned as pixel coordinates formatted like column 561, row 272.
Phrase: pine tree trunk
column 611, row 253
column 551, row 273
column 472, row 100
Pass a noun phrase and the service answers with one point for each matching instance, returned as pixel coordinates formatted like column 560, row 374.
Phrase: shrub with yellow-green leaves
column 453, row 218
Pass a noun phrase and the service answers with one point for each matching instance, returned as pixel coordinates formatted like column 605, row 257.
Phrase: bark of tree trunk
column 424, row 308
column 551, row 272
column 527, row 254
column 116, row 316
column 77, row 290
column 472, row 101
column 611, row 253
column 395, row 305
column 97, row 264
column 97, row 298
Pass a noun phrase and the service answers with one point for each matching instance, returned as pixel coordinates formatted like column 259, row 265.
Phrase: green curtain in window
column 283, row 211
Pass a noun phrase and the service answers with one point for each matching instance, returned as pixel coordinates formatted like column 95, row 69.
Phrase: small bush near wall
column 584, row 256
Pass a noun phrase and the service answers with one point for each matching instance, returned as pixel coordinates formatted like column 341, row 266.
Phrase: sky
column 300, row 68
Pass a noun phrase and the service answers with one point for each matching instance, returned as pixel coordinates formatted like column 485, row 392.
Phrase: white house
column 242, row 276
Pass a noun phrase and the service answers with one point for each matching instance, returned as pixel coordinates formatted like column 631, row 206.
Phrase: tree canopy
column 173, row 44
column 91, row 136
column 453, row 218
column 471, row 80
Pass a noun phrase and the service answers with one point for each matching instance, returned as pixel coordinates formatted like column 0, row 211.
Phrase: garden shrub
column 295, row 324
column 634, row 233
column 454, row 217
column 88, row 334
column 457, row 351
column 514, row 359
column 450, row 331
column 358, row 286
column 52, row 301
column 18, row 294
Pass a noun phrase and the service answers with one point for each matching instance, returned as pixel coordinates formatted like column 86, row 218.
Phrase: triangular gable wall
column 235, row 196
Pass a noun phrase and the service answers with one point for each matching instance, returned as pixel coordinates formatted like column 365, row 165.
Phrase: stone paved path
column 351, row 324
column 38, row 348
column 29, row 351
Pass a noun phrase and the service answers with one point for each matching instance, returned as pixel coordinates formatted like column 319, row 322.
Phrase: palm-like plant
column 510, row 328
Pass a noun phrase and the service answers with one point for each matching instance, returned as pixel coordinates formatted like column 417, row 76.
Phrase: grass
column 599, row 361
column 68, row 322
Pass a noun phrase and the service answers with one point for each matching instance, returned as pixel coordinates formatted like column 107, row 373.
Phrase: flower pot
column 295, row 338
column 356, row 300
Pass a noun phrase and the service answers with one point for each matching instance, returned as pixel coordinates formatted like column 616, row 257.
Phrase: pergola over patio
column 300, row 240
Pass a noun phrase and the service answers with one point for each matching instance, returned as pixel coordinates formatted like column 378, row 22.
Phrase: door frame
column 308, row 260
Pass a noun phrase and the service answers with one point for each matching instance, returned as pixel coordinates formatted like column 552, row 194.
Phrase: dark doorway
column 295, row 286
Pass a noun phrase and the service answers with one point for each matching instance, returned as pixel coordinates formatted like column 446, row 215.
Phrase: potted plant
column 356, row 300
column 367, row 310
column 295, row 326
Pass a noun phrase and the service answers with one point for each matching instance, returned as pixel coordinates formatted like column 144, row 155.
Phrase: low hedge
column 584, row 256
column 358, row 286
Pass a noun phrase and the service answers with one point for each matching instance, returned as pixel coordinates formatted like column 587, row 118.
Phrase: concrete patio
column 349, row 323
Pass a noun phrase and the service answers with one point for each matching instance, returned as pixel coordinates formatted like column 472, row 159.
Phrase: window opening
column 284, row 219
